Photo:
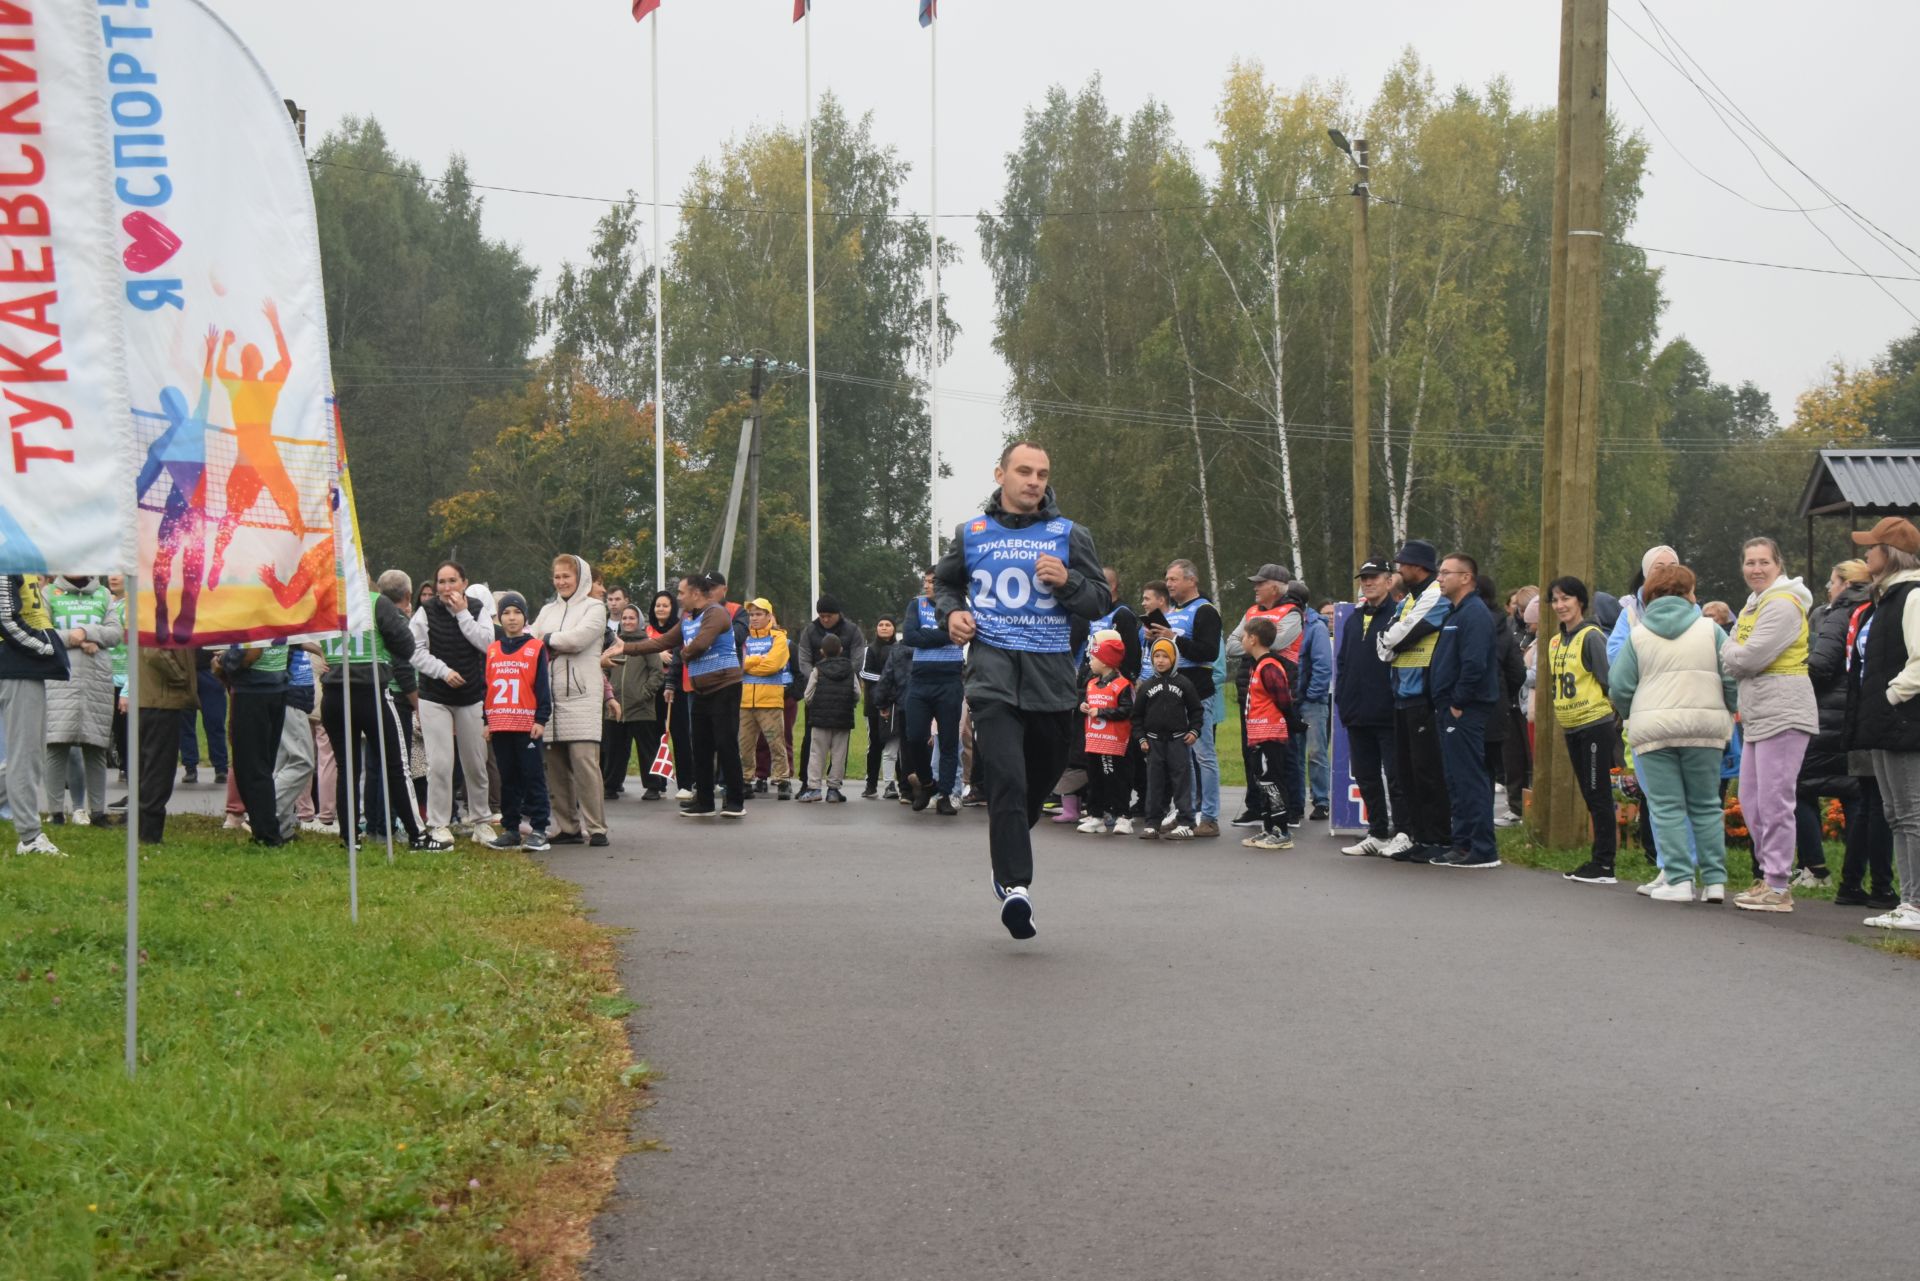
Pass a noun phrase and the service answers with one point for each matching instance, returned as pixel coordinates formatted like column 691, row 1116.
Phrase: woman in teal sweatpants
column 1678, row 702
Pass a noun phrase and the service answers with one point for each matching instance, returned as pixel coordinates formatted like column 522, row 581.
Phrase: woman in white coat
column 80, row 709
column 574, row 627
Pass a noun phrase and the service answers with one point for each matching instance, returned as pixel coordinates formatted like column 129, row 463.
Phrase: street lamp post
column 1362, row 349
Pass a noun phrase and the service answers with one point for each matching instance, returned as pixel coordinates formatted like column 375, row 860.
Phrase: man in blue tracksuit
column 934, row 695
column 1464, row 684
column 1408, row 644
column 1316, row 688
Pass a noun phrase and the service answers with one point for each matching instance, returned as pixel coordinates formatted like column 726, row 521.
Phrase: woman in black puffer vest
column 450, row 642
column 1824, row 772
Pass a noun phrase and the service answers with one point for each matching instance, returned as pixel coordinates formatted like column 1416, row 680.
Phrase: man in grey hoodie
column 1007, row 585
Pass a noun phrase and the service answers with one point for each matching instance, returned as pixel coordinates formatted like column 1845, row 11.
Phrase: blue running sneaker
column 1016, row 910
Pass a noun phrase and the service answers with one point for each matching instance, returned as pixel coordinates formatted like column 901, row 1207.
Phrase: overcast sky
column 554, row 96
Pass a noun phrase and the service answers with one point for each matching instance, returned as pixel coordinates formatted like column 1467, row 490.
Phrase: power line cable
column 1538, row 230
column 907, row 214
column 1127, row 211
column 1729, row 113
column 1654, row 120
column 1758, row 132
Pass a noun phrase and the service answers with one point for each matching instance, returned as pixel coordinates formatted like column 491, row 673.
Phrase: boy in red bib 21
column 1268, row 697
column 1108, row 707
column 518, row 705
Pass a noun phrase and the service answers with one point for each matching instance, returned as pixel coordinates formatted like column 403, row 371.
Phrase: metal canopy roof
column 1885, row 481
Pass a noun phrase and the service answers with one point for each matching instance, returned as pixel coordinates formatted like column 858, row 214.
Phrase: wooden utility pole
column 1362, row 366
column 1556, row 815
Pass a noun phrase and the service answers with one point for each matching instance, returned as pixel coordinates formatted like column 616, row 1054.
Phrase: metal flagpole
column 132, row 627
column 351, row 818
column 813, row 354
column 933, row 298
column 659, row 351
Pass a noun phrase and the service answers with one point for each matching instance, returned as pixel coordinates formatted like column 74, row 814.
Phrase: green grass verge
column 439, row 1091
column 1517, row 846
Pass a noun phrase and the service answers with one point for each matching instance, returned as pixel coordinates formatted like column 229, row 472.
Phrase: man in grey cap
column 1269, row 585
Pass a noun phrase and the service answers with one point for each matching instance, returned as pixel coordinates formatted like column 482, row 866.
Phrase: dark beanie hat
column 1420, row 554
column 509, row 600
column 827, row 605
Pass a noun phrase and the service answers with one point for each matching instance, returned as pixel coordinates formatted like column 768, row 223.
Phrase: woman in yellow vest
column 1767, row 655
column 1576, row 674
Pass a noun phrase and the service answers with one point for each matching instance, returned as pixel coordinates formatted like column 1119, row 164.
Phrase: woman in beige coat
column 574, row 627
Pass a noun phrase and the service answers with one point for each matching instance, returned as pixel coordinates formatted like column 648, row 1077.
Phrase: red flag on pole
column 801, row 8
column 641, row 8
column 663, row 759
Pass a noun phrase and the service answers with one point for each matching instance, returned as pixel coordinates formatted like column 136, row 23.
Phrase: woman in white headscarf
column 1634, row 602
column 574, row 627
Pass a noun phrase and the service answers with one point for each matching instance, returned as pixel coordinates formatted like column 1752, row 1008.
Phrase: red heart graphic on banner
column 153, row 242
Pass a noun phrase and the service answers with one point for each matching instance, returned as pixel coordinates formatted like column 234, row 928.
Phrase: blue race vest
column 1181, row 620
column 760, row 647
column 1010, row 607
column 944, row 653
column 718, row 659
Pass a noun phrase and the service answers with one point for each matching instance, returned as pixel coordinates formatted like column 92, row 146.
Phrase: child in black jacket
column 1167, row 718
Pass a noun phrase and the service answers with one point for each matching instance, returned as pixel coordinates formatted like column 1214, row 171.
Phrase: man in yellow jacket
column 763, row 693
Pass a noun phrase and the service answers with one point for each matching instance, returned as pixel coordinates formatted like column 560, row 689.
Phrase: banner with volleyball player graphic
column 225, row 322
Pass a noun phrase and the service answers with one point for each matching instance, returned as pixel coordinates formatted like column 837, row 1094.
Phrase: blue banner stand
column 1347, row 816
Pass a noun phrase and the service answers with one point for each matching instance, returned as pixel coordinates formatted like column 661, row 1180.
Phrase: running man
column 253, row 395
column 181, row 454
column 1007, row 585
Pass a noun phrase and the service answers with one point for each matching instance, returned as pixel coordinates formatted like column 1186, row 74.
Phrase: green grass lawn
column 437, row 1092
column 1517, row 846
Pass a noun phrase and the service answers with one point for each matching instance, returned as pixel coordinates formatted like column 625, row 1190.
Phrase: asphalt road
column 1214, row 1062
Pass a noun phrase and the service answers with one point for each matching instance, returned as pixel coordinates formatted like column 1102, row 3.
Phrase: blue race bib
column 760, row 647
column 1181, row 621
column 942, row 654
column 718, row 659
column 1011, row 608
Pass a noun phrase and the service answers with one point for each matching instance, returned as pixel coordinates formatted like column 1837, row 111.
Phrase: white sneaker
column 40, row 845
column 1123, row 826
column 1713, row 893
column 1659, row 879
column 1092, row 826
column 1400, row 844
column 81, row 819
column 235, row 823
column 1499, row 789
column 1180, row 832
column 1369, row 847
column 483, row 834
column 683, row 795
column 1904, row 917
column 439, row 839
column 1672, row 892
column 1506, row 818
column 315, row 825
column 1806, row 880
